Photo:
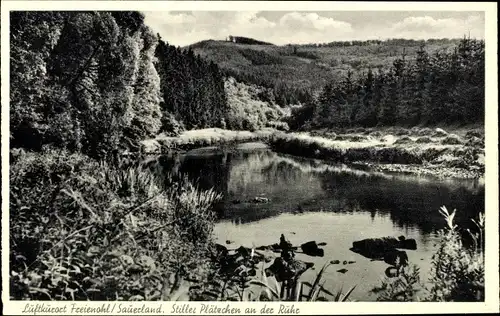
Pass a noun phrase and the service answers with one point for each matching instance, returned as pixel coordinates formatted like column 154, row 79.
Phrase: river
column 307, row 199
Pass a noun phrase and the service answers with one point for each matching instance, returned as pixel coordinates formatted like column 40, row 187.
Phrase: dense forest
column 192, row 89
column 446, row 87
column 101, row 81
column 392, row 41
column 296, row 72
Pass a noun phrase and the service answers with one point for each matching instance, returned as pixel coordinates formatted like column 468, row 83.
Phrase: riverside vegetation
column 86, row 224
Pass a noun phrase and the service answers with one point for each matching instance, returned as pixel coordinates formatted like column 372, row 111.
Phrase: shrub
column 402, row 131
column 424, row 131
column 475, row 142
column 439, row 132
column 88, row 230
column 452, row 139
column 457, row 273
column 376, row 134
column 423, row 140
column 403, row 140
column 472, row 134
column 402, row 288
column 281, row 126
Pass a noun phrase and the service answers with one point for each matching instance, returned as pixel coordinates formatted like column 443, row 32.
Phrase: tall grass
column 88, row 230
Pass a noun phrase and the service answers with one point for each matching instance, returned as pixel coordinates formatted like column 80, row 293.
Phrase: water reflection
column 294, row 185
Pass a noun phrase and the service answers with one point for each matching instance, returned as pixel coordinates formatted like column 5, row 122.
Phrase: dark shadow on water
column 284, row 183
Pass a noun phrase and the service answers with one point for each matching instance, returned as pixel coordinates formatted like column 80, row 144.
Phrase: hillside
column 293, row 69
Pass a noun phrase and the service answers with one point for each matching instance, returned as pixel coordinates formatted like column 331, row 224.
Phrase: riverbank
column 415, row 151
column 203, row 138
column 419, row 151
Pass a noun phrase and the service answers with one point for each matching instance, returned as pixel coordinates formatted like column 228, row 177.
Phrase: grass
column 203, row 138
column 93, row 230
column 461, row 155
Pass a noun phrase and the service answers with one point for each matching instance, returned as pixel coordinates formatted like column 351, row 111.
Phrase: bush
column 457, row 272
column 472, row 134
column 281, row 126
column 88, row 230
column 403, row 288
column 423, row 131
column 376, row 134
column 452, row 139
column 475, row 142
column 439, row 132
column 423, row 140
column 403, row 140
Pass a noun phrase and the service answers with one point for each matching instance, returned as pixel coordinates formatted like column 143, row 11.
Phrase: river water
column 307, row 199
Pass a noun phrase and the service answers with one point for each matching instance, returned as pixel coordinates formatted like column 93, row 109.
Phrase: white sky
column 187, row 27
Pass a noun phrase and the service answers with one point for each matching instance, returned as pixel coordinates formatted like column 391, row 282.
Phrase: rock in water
column 287, row 270
column 311, row 248
column 384, row 244
column 385, row 249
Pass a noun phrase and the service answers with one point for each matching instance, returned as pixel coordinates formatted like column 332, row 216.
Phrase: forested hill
column 295, row 71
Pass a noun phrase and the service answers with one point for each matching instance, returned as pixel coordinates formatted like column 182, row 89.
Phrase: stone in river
column 287, row 270
column 311, row 248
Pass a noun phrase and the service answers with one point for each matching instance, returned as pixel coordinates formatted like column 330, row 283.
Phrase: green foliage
column 82, row 229
column 457, row 271
column 247, row 111
column 445, row 87
column 84, row 81
column 404, row 287
column 192, row 88
column 294, row 72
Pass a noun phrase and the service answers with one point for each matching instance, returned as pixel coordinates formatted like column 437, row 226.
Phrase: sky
column 181, row 28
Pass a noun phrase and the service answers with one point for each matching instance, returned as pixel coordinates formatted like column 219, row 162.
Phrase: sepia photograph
column 245, row 156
